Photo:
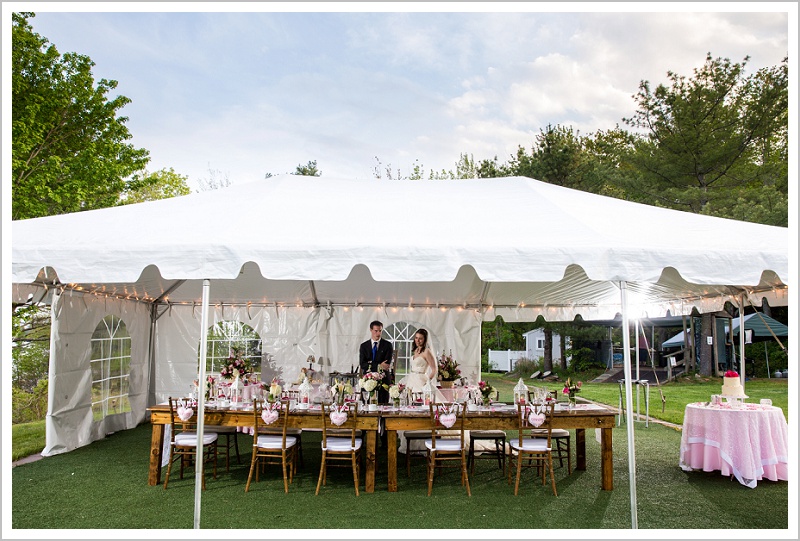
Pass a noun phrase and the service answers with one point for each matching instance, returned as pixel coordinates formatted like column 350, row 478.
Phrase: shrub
column 524, row 367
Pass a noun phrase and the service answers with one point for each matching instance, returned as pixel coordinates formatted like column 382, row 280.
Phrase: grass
column 676, row 393
column 27, row 439
column 104, row 486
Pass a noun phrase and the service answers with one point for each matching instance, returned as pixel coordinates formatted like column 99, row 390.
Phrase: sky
column 242, row 90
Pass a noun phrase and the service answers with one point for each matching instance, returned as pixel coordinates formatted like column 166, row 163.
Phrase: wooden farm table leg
column 607, row 459
column 156, row 444
column 580, row 449
column 371, row 444
column 391, row 441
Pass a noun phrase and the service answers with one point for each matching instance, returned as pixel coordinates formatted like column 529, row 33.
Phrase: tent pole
column 741, row 337
column 626, row 355
column 201, row 403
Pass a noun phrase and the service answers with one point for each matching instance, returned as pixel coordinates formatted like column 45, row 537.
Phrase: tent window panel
column 401, row 335
column 228, row 336
column 110, row 364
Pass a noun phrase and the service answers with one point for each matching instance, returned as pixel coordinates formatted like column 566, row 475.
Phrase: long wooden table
column 159, row 418
column 578, row 419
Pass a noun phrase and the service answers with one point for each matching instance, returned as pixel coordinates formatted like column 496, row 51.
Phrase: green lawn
column 104, row 485
column 676, row 394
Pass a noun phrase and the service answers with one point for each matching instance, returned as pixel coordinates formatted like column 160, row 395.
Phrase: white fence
column 505, row 360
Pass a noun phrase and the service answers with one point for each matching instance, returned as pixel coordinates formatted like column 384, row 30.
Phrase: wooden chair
column 272, row 448
column 499, row 451
column 231, row 442
column 560, row 436
column 183, row 440
column 341, row 445
column 533, row 451
column 442, row 452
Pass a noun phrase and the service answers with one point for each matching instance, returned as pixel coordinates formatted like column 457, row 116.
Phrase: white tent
column 308, row 262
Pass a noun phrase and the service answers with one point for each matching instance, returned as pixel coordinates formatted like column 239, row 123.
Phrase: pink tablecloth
column 750, row 443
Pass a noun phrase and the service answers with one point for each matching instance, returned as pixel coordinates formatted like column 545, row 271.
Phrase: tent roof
column 313, row 240
column 751, row 322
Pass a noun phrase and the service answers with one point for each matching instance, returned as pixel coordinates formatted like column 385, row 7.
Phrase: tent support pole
column 201, row 403
column 741, row 337
column 626, row 355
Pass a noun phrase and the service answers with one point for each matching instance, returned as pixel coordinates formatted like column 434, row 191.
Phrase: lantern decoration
column 305, row 391
column 427, row 392
column 520, row 392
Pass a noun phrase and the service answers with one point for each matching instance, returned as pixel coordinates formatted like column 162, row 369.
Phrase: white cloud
column 250, row 93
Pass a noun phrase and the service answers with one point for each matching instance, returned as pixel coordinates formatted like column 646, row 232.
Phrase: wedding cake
column 732, row 386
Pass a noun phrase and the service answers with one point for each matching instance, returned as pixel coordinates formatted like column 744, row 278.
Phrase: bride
column 423, row 369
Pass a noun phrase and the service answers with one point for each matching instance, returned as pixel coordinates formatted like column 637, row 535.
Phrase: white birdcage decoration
column 305, row 391
column 520, row 392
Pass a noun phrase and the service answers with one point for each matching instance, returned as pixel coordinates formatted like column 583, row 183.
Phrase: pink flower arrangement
column 570, row 389
column 731, row 374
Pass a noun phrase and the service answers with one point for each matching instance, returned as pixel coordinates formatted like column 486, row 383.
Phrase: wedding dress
column 414, row 382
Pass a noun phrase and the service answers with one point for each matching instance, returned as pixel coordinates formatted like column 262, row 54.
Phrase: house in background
column 505, row 360
column 534, row 345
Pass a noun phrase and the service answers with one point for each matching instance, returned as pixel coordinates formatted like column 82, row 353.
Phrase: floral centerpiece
column 236, row 366
column 486, row 390
column 340, row 389
column 395, row 392
column 571, row 389
column 731, row 374
column 273, row 389
column 208, row 387
column 371, row 381
column 448, row 370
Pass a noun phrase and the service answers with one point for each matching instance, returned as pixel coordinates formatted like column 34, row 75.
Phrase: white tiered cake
column 732, row 386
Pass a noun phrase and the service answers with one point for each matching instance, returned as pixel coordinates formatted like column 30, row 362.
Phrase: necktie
column 374, row 350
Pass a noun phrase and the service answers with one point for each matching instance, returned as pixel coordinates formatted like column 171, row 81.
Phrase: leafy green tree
column 308, row 170
column 69, row 150
column 465, row 168
column 711, row 139
column 161, row 184
column 30, row 345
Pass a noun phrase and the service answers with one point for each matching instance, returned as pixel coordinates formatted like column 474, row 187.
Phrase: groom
column 375, row 354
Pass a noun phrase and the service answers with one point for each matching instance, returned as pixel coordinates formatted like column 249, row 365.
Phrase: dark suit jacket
column 366, row 364
column 365, row 361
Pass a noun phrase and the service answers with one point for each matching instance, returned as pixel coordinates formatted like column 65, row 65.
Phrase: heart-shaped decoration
column 536, row 419
column 338, row 417
column 447, row 419
column 184, row 413
column 269, row 416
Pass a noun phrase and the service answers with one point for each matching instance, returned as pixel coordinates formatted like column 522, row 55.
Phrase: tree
column 69, row 150
column 161, row 184
column 709, row 140
column 308, row 170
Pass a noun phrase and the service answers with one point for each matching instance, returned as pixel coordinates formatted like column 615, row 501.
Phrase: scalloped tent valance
column 511, row 245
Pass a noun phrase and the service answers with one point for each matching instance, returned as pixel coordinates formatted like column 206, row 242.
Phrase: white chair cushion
column 555, row 433
column 274, row 442
column 189, row 439
column 342, row 444
column 444, row 445
column 530, row 444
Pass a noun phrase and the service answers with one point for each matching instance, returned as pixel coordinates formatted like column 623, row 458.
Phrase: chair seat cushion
column 416, row 434
column 444, row 445
column 555, row 433
column 271, row 441
column 530, row 444
column 338, row 444
column 189, row 439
